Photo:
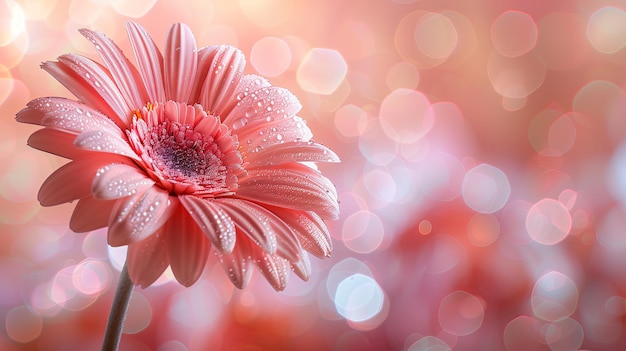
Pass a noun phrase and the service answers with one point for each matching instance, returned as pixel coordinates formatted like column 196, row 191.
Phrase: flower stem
column 117, row 315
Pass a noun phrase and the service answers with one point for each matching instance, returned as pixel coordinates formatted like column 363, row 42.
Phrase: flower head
column 183, row 153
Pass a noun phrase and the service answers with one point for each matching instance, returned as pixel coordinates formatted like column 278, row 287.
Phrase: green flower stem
column 117, row 315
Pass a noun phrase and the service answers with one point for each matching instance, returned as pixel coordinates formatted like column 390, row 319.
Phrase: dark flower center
column 185, row 150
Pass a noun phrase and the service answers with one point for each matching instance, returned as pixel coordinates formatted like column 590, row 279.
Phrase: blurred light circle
column 270, row 56
column 380, row 185
column 548, row 222
column 516, row 77
column 350, row 120
column 440, row 176
column 362, row 231
column 12, row 21
column 617, row 174
column 483, row 229
column 435, row 35
column 375, row 145
column 561, row 135
column 485, row 188
column 513, row 33
column 523, row 333
column 405, row 115
column 606, row 29
column 413, row 29
column 402, row 75
column 429, row 343
column 554, row 296
column 135, row 8
column 443, row 254
column 6, row 83
column 321, row 71
column 342, row 270
column 195, row 308
column 139, row 314
column 91, row 277
column 358, row 298
column 564, row 335
column 117, row 256
column 460, row 313
column 22, row 324
column 568, row 198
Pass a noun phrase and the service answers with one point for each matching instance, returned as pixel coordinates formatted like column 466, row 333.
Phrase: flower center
column 185, row 150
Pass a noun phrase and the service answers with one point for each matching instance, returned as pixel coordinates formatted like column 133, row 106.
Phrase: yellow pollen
column 137, row 114
column 150, row 106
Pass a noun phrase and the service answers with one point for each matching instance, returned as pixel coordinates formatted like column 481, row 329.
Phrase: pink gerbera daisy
column 183, row 152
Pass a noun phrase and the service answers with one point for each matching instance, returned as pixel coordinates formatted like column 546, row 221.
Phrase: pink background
column 482, row 183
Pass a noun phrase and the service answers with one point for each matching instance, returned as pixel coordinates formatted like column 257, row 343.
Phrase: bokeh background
column 482, row 183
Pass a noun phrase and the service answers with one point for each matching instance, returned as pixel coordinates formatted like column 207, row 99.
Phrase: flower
column 181, row 153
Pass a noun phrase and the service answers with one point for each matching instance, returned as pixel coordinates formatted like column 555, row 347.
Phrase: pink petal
column 149, row 60
column 105, row 141
column 268, row 134
column 302, row 268
column 56, row 142
column 273, row 267
column 222, row 80
column 70, row 182
column 205, row 60
column 294, row 151
column 147, row 259
column 136, row 217
column 310, row 230
column 91, row 214
column 262, row 106
column 236, row 264
column 212, row 220
column 248, row 85
column 64, row 114
column 188, row 247
column 114, row 181
column 89, row 83
column 123, row 72
column 252, row 220
column 299, row 189
column 181, row 62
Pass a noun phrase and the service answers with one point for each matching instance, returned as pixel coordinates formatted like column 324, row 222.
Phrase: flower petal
column 294, row 151
column 115, row 181
column 276, row 132
column 262, row 106
column 273, row 267
column 136, row 217
column 300, row 188
column 91, row 84
column 66, row 115
column 123, row 72
column 212, row 220
column 181, row 62
column 104, row 141
column 56, row 142
column 310, row 230
column 147, row 259
column 90, row 214
column 237, row 263
column 222, row 80
column 302, row 268
column 205, row 59
column 188, row 247
column 252, row 220
column 71, row 181
column 149, row 60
